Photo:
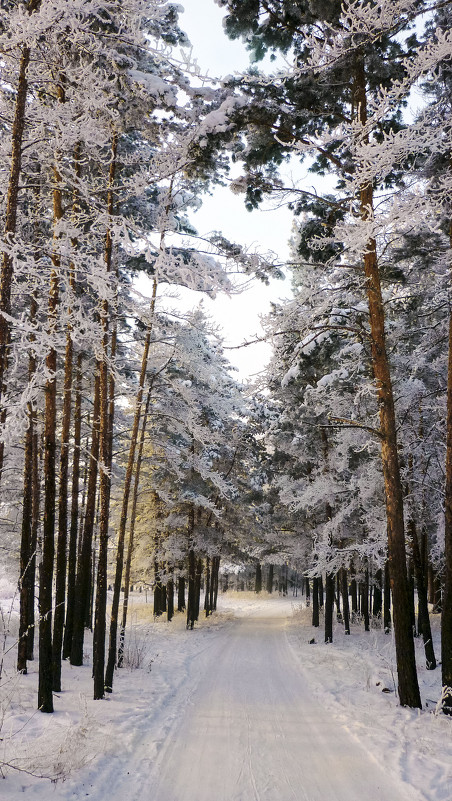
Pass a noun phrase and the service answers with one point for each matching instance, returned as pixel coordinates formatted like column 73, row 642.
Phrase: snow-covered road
column 251, row 731
column 246, row 707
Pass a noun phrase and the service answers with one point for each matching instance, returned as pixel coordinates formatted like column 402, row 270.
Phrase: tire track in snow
column 253, row 732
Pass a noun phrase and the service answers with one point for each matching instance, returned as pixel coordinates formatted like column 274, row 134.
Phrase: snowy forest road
column 252, row 731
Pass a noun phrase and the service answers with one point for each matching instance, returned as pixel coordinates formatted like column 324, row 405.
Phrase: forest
column 131, row 457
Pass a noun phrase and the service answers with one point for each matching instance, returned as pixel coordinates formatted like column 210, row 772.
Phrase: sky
column 260, row 230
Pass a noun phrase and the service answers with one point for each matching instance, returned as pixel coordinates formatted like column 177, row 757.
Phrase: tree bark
column 61, row 560
column 329, row 606
column 446, row 616
column 105, row 447
column 378, row 595
column 258, row 581
column 315, row 602
column 45, row 684
column 215, row 580
column 365, row 600
column 170, row 598
column 338, row 596
column 35, row 522
column 345, row 601
column 72, row 554
column 207, row 594
column 83, row 579
column 27, row 551
column 405, row 656
column 320, row 591
column 198, row 587
column 181, row 594
column 191, row 617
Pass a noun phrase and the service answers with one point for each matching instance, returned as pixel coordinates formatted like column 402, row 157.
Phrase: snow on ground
column 123, row 747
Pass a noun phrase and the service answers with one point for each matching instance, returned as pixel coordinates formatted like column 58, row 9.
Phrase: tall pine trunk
column 35, row 523
column 191, row 600
column 315, row 602
column 45, row 684
column 83, row 578
column 61, row 559
column 329, row 606
column 27, row 551
column 72, row 552
column 105, row 445
column 405, row 656
column 345, row 601
column 446, row 615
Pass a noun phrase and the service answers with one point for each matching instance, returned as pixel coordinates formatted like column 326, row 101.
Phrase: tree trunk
column 338, row 596
column 198, row 587
column 35, row 522
column 345, row 602
column 207, row 594
column 191, row 601
column 354, row 596
column 45, row 697
column 258, row 582
column 61, row 560
column 83, row 579
column 329, row 606
column 446, row 616
column 25, row 548
column 215, row 580
column 106, row 450
column 405, row 656
column 45, row 683
column 181, row 594
column 170, row 599
column 308, row 591
column 159, row 591
column 365, row 600
column 315, row 602
column 320, row 591
column 72, row 554
column 27, row 551
column 378, row 595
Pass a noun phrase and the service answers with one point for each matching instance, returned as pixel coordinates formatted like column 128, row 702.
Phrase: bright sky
column 262, row 230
